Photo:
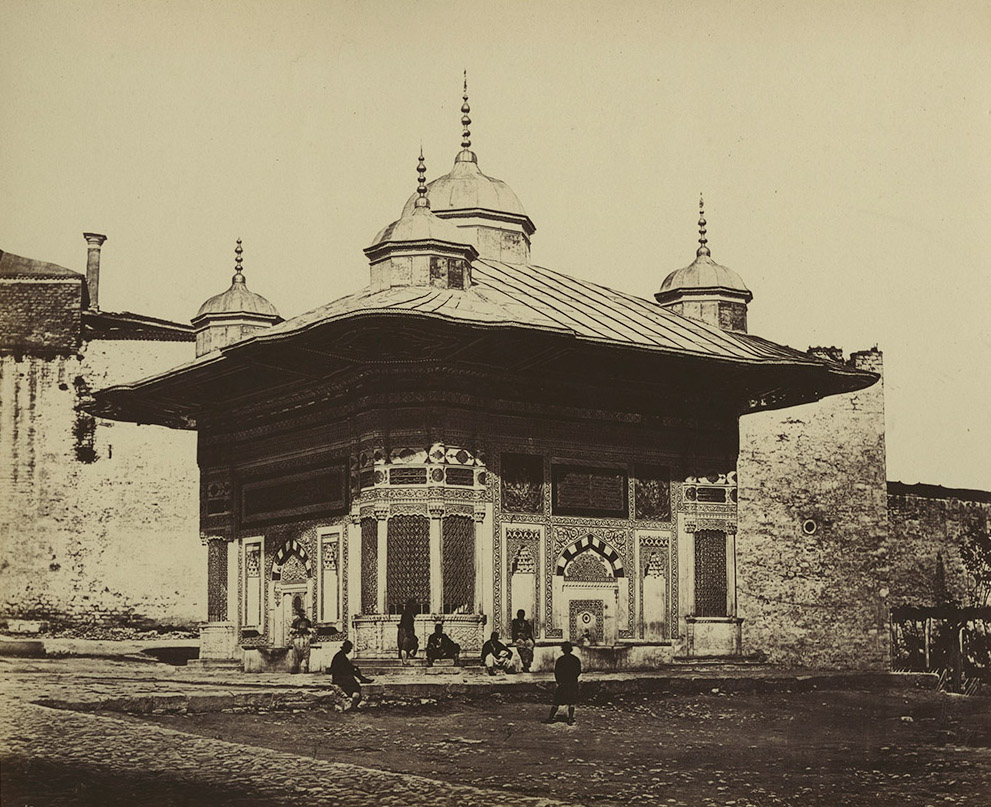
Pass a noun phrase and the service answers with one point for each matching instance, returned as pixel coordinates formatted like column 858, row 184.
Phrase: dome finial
column 238, row 276
column 421, row 184
column 465, row 120
column 703, row 249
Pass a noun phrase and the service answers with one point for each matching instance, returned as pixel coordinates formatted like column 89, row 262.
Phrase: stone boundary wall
column 926, row 524
column 99, row 522
column 812, row 560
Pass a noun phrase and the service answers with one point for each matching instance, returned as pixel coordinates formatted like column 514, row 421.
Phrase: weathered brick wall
column 815, row 596
column 40, row 314
column 99, row 525
column 925, row 522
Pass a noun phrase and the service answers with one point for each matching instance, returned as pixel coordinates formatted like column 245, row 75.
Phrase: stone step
column 417, row 666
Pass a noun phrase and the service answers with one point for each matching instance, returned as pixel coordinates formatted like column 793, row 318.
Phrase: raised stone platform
column 417, row 666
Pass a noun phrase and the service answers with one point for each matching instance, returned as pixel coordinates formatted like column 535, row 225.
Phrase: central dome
column 485, row 209
column 467, row 188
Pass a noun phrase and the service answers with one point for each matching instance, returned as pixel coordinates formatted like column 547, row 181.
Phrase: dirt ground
column 814, row 748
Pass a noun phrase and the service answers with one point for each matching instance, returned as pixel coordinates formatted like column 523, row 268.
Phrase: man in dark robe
column 440, row 645
column 566, row 671
column 522, row 632
column 495, row 655
column 406, row 633
column 347, row 675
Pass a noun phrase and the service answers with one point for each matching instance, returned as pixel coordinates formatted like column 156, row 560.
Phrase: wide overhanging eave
column 268, row 364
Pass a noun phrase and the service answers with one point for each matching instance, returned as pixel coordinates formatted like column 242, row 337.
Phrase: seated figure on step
column 440, row 645
column 496, row 656
column 346, row 674
column 522, row 630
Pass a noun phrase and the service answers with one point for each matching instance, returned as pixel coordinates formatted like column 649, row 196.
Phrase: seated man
column 440, row 645
column 346, row 675
column 495, row 655
column 522, row 630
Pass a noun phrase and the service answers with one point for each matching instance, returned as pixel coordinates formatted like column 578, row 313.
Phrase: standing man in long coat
column 566, row 671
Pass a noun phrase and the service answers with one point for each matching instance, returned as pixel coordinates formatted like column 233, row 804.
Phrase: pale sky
column 844, row 150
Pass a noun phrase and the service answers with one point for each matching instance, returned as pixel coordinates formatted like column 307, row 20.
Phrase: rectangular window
column 369, row 565
column 458, row 552
column 438, row 271
column 408, row 563
column 589, row 491
column 710, row 573
column 447, row 273
column 253, row 580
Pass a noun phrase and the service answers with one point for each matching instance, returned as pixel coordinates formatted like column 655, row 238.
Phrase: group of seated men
column 495, row 655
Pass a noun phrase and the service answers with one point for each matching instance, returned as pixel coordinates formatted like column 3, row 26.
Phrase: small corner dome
column 467, row 188
column 704, row 273
column 237, row 300
column 419, row 224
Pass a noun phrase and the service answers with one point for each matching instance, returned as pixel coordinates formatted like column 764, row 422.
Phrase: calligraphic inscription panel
column 589, row 491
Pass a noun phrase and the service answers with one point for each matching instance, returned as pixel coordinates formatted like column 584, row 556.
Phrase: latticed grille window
column 217, row 580
column 369, row 565
column 458, row 552
column 710, row 573
column 253, row 560
column 408, row 563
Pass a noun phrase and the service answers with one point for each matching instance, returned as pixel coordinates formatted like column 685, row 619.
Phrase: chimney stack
column 94, row 242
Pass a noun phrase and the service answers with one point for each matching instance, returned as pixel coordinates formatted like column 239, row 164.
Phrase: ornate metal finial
column 465, row 120
column 238, row 277
column 421, row 184
column 703, row 249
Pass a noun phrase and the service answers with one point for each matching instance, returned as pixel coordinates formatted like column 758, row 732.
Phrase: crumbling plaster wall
column 812, row 565
column 926, row 522
column 99, row 523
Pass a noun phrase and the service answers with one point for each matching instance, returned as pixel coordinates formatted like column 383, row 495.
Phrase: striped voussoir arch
column 289, row 548
column 596, row 545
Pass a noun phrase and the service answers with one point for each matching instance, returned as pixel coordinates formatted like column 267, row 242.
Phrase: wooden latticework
column 710, row 573
column 408, row 563
column 458, row 552
column 369, row 565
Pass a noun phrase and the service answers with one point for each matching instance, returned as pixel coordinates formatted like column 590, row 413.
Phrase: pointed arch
column 590, row 542
column 291, row 548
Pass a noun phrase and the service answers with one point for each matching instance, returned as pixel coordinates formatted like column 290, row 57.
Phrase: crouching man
column 347, row 675
column 440, row 645
column 496, row 656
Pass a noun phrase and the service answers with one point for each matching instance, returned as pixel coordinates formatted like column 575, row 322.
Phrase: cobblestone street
column 52, row 756
column 154, row 734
